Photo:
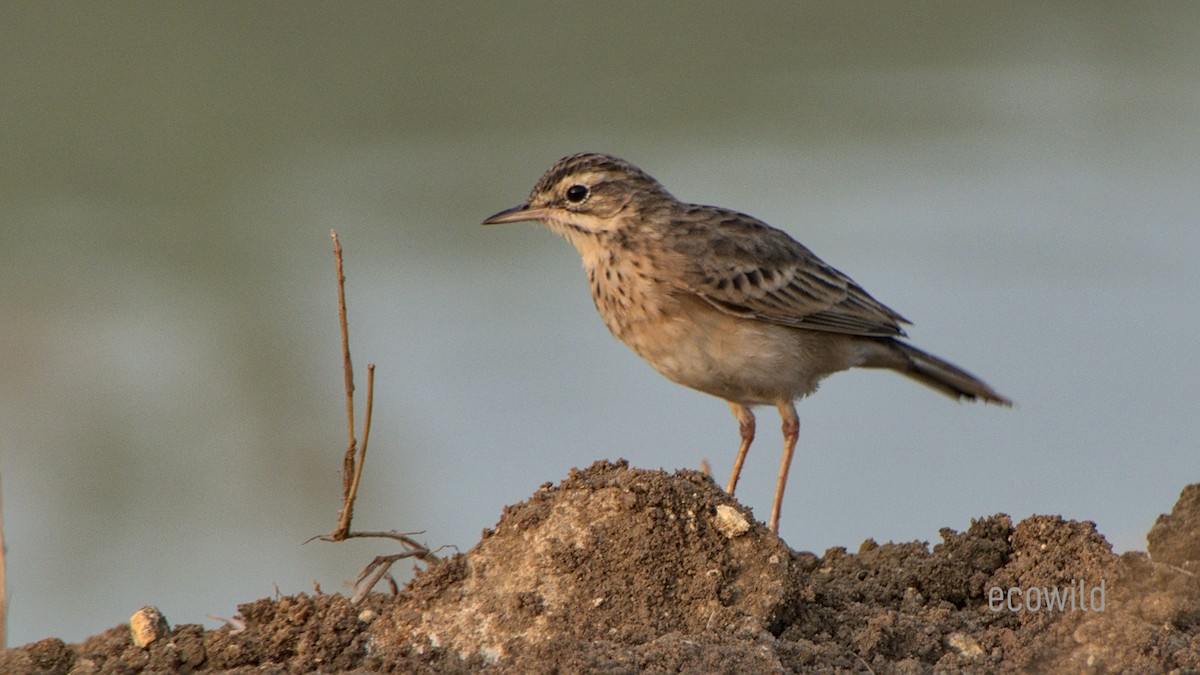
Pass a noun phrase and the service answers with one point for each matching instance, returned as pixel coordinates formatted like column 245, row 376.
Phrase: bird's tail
column 931, row 371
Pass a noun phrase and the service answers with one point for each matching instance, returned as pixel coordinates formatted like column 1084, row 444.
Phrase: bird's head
column 587, row 194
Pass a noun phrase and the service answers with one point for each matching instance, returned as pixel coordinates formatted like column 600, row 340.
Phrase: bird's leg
column 791, row 430
column 745, row 420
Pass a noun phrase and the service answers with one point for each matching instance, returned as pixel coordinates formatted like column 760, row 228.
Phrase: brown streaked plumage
column 721, row 302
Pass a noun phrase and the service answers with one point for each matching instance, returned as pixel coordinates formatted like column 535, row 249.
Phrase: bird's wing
column 747, row 268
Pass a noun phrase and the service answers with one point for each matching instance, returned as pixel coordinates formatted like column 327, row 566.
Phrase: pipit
column 722, row 302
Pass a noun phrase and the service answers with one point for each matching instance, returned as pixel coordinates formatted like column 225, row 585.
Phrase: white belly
column 740, row 360
column 692, row 343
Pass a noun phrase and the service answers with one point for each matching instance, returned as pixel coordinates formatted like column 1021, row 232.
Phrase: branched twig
column 378, row 568
column 352, row 466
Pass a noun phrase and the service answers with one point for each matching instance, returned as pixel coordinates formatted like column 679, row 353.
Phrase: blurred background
column 1019, row 180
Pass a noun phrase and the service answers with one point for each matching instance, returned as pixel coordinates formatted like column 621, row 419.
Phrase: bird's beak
column 518, row 214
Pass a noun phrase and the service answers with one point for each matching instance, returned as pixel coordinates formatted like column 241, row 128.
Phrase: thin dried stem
column 362, row 450
column 348, row 503
column 349, row 470
column 352, row 466
column 347, row 368
column 378, row 568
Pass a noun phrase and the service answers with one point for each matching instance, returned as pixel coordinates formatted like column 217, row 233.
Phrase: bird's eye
column 577, row 193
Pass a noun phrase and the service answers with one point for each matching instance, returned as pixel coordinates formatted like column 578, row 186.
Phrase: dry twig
column 352, row 465
column 348, row 463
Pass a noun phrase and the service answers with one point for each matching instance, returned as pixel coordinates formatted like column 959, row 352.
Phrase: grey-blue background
column 1019, row 180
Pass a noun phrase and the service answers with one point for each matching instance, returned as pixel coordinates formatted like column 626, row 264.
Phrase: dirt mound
column 629, row 570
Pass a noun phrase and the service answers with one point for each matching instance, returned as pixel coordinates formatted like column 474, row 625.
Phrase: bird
column 719, row 301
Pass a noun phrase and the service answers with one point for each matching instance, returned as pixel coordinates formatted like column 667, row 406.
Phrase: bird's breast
column 694, row 344
column 626, row 293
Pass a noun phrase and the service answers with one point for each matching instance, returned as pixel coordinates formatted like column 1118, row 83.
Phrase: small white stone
column 147, row 625
column 964, row 644
column 730, row 522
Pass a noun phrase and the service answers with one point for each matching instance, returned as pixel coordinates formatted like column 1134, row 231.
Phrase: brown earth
column 626, row 570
